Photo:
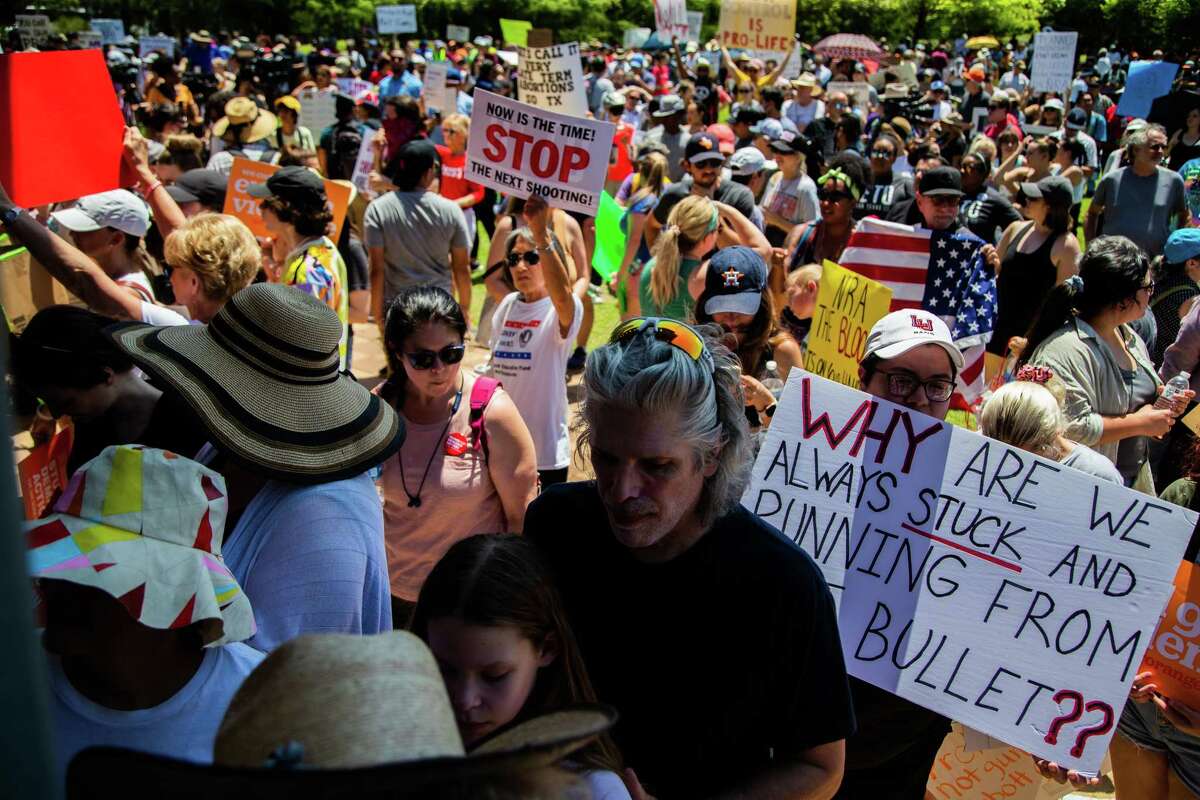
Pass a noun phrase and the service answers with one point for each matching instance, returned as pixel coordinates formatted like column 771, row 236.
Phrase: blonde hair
column 690, row 221
column 457, row 122
column 800, row 275
column 984, row 146
column 651, row 177
column 1026, row 415
column 219, row 249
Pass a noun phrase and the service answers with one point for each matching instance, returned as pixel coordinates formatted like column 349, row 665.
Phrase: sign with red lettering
column 43, row 473
column 671, row 19
column 848, row 304
column 521, row 150
column 1174, row 655
column 961, row 584
column 766, row 27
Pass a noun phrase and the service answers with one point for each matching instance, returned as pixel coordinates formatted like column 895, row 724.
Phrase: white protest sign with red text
column 961, row 584
column 671, row 19
column 521, row 150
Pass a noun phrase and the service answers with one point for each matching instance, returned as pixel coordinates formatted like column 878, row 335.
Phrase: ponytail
column 691, row 220
column 1059, row 307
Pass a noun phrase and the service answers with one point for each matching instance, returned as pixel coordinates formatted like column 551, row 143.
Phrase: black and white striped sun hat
column 263, row 378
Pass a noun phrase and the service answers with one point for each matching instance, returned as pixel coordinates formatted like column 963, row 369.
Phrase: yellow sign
column 848, row 304
column 765, row 26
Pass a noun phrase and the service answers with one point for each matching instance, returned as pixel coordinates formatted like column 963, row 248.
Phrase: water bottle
column 772, row 382
column 1176, row 386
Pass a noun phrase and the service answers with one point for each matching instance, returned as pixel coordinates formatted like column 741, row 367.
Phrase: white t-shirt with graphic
column 529, row 357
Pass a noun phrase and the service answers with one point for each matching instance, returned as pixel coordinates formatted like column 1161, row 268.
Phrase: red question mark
column 1062, row 719
column 1104, row 726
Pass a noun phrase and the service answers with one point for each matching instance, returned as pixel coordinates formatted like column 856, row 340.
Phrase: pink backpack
column 481, row 395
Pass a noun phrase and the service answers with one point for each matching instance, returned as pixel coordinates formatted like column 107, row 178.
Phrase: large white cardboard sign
column 521, row 150
column 671, row 19
column 396, row 19
column 1053, row 66
column 150, row 44
column 318, row 110
column 998, row 588
column 552, row 78
column 434, row 88
column 112, row 31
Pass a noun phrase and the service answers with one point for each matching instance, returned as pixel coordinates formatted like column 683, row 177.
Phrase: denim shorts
column 1145, row 726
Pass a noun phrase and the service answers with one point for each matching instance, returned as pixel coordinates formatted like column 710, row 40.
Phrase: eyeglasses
column 448, row 355
column 903, row 384
column 945, row 201
column 882, row 154
column 673, row 332
column 531, row 258
column 1147, row 287
column 833, row 197
column 1156, row 146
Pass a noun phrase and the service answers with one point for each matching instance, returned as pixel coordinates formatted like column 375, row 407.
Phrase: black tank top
column 1025, row 280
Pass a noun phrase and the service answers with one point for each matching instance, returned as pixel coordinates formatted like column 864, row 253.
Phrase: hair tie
column 1075, row 283
column 712, row 223
column 1033, row 374
column 673, row 229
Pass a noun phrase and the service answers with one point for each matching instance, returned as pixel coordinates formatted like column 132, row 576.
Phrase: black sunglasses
column 531, row 258
column 833, row 197
column 448, row 355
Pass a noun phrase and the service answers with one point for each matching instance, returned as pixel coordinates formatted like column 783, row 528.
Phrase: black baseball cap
column 1053, row 188
column 703, row 147
column 787, row 142
column 204, row 186
column 1077, row 120
column 748, row 114
column 295, row 185
column 940, row 181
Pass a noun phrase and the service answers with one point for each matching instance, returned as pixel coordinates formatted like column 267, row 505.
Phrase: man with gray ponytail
column 713, row 635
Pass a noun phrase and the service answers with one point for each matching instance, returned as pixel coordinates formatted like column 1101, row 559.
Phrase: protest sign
column 318, row 110
column 43, row 157
column 1147, row 80
column 961, row 771
column 795, row 64
column 859, row 93
column 35, row 29
column 1192, row 420
column 848, row 304
column 695, row 21
column 522, row 150
column 610, row 239
column 960, row 584
column 434, row 88
column 112, row 31
column 979, row 121
column 671, row 19
column 552, row 78
column 396, row 19
column 363, row 164
column 26, row 288
column 635, row 37
column 89, row 40
column 1053, row 66
column 458, row 33
column 240, row 204
column 515, row 31
column 766, row 27
column 353, row 87
column 1172, row 656
column 152, row 44
column 43, row 473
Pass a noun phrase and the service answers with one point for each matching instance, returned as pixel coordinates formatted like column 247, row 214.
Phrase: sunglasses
column 882, row 154
column 673, row 332
column 743, row 91
column 833, row 197
column 449, row 355
column 531, row 258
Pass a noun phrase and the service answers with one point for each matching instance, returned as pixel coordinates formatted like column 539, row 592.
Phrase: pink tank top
column 458, row 500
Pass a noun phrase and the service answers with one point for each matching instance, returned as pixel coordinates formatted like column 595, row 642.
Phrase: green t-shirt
column 681, row 305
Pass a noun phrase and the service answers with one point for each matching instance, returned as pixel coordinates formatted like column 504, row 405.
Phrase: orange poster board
column 240, row 204
column 1174, row 653
column 43, row 473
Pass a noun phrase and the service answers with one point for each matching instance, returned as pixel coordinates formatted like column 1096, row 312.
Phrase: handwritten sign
column 43, row 473
column 1053, row 65
column 112, row 31
column 1147, row 80
column 960, row 583
column 766, row 27
column 522, row 150
column 438, row 96
column 396, row 19
column 35, row 29
column 961, row 772
column 318, row 110
column 695, row 22
column 552, row 78
column 671, row 19
column 458, row 33
column 1173, row 653
column 152, row 44
column 354, row 87
column 238, row 202
column 363, row 165
column 858, row 93
column 848, row 304
column 635, row 37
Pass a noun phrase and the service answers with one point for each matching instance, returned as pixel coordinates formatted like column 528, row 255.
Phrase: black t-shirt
column 714, row 659
column 878, row 198
column 728, row 192
column 986, row 211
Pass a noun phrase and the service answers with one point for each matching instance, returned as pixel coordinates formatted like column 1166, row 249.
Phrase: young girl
column 494, row 621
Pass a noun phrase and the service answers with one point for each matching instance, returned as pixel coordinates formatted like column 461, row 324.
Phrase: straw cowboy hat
column 263, row 379
column 364, row 714
column 145, row 527
column 244, row 118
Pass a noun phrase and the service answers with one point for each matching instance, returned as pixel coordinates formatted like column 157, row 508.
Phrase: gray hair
column 644, row 375
column 1026, row 415
column 1141, row 137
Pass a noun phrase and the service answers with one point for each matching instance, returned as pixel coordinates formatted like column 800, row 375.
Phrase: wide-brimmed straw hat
column 263, row 379
column 252, row 123
column 352, row 711
column 145, row 527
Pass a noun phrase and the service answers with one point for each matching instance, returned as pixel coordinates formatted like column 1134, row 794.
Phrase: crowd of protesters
column 222, row 576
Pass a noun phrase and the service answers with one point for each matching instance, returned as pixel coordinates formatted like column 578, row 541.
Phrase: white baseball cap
column 900, row 331
column 119, row 208
column 749, row 160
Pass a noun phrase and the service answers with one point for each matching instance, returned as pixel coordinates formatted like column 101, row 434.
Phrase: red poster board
column 61, row 128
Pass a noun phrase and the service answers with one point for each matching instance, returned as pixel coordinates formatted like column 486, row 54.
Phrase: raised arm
column 774, row 76
column 679, row 64
column 735, row 229
column 167, row 214
column 558, row 282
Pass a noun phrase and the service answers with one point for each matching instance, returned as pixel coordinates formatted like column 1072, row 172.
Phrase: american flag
column 940, row 271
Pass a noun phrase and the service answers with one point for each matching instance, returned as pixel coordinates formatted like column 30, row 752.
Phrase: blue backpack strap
column 481, row 395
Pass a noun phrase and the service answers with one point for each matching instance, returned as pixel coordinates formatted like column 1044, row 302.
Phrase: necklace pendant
column 414, row 502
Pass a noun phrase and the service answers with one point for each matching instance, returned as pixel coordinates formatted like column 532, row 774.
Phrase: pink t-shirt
column 457, row 501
